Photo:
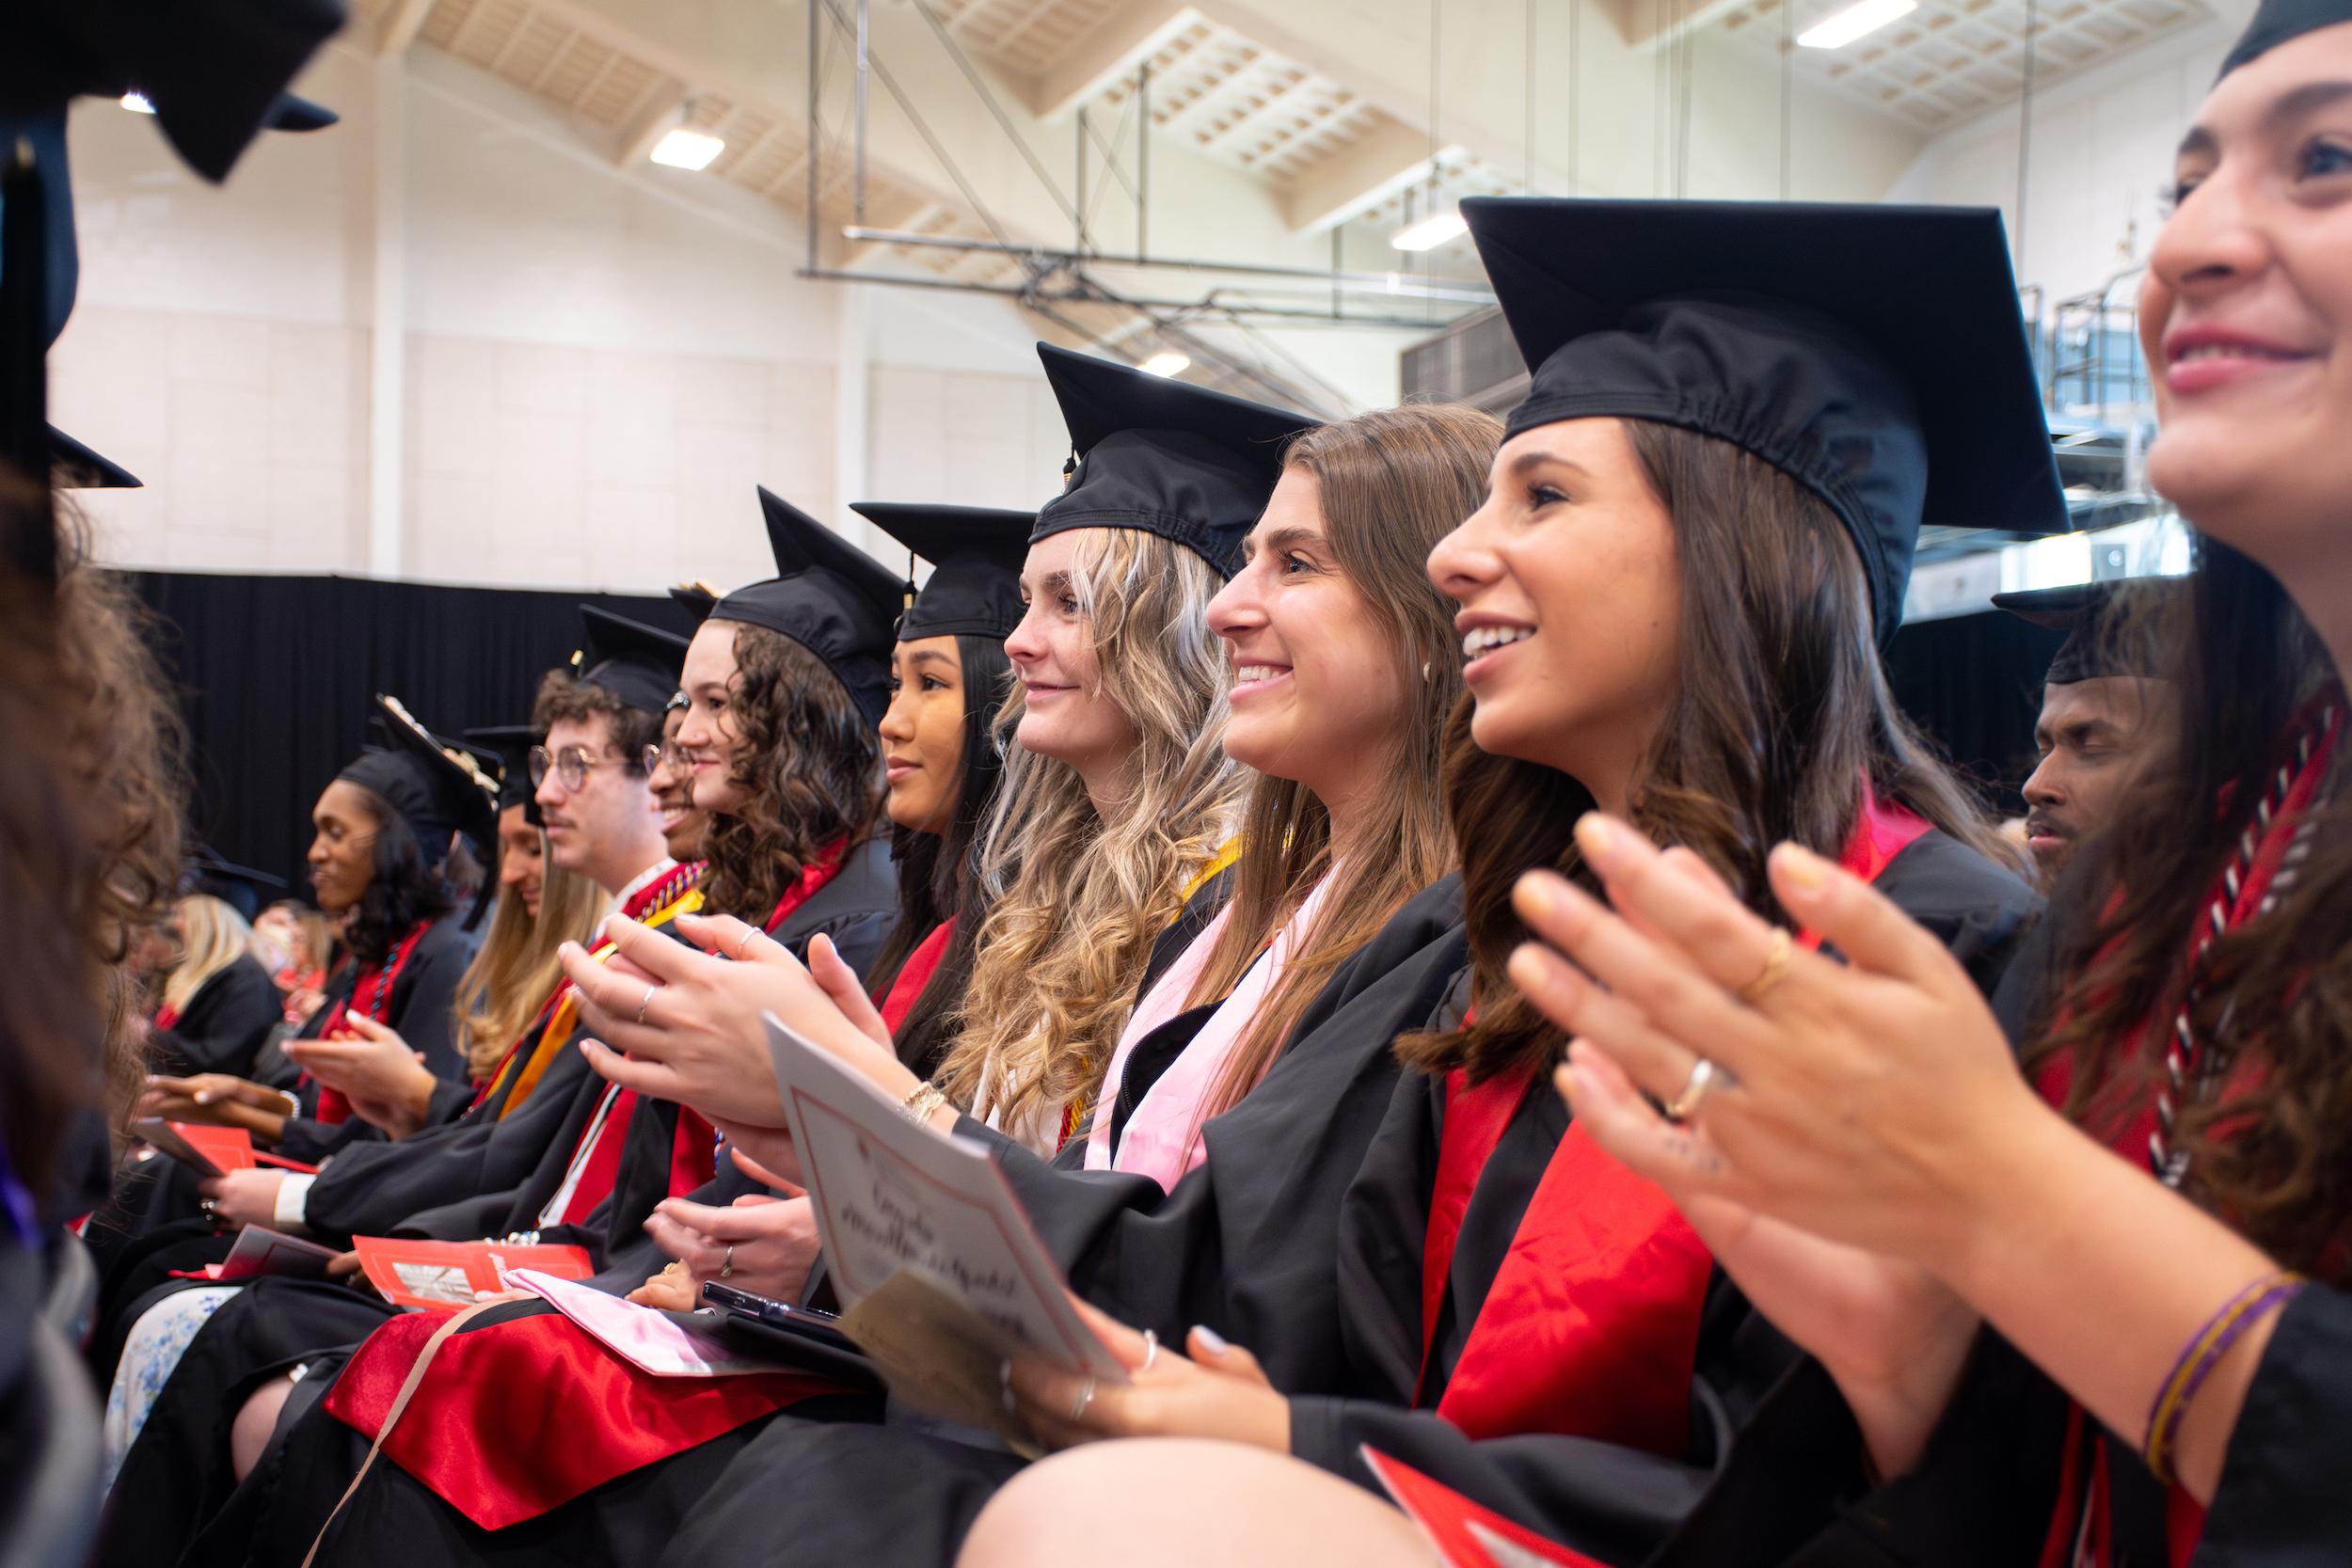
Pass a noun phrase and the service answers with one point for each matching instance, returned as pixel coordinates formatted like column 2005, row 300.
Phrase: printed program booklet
column 443, row 1276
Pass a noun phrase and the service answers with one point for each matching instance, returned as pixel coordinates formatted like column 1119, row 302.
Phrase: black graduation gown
column 1614, row 1503
column 632, row 1519
column 224, row 1025
column 855, row 908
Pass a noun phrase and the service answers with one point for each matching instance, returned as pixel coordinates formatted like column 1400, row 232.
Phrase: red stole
column 694, row 1148
column 916, row 974
column 370, row 997
column 1591, row 1325
column 166, row 1016
column 521, row 1416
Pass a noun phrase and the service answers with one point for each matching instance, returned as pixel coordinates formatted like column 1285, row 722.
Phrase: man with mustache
column 2103, row 716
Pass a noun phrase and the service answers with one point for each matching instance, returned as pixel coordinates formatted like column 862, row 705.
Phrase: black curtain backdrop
column 276, row 674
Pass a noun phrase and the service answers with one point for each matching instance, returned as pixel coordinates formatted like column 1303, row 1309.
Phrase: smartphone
column 805, row 1322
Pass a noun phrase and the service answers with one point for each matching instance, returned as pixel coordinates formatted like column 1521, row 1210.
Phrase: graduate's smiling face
column 672, row 780
column 710, row 732
column 596, row 831
column 1318, row 691
column 342, row 846
column 1570, row 603
column 1064, row 712
column 923, row 734
column 2246, row 315
column 519, row 869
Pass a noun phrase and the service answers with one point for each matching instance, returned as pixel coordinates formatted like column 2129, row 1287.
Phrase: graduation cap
column 511, row 744
column 828, row 596
column 1874, row 354
column 1161, row 455
column 436, row 786
column 2091, row 651
column 241, row 888
column 637, row 663
column 2276, row 21
column 77, row 467
column 976, row 554
column 698, row 596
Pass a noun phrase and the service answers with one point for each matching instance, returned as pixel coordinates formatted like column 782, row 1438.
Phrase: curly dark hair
column 403, row 886
column 937, row 880
column 564, row 697
column 809, row 766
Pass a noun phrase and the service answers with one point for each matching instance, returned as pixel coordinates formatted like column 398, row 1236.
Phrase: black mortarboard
column 241, row 888
column 2093, row 648
column 511, row 744
column 1161, row 455
column 77, row 467
column 976, row 554
column 2278, row 20
column 637, row 663
column 436, row 786
column 1874, row 354
column 698, row 596
column 828, row 596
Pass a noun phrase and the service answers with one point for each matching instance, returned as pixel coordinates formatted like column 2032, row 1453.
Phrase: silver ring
column 750, row 936
column 1703, row 1075
column 210, row 1209
column 726, row 1263
column 1150, row 1349
column 1085, row 1396
column 646, row 1003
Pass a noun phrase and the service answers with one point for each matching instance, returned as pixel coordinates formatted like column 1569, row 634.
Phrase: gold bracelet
column 921, row 1100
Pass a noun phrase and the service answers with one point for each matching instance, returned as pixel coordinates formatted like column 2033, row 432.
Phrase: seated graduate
column 2093, row 1312
column 1702, row 522
column 217, row 1004
column 672, row 775
column 941, row 766
column 2107, row 710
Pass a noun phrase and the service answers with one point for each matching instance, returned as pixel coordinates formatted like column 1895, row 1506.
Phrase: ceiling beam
column 1357, row 177
column 1647, row 24
column 400, row 26
column 1108, row 53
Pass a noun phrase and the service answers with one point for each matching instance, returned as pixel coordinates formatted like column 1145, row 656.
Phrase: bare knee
column 250, row 1434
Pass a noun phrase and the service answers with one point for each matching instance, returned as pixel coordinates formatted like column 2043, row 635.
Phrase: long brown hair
column 2272, row 1152
column 1781, row 714
column 1392, row 484
column 809, row 765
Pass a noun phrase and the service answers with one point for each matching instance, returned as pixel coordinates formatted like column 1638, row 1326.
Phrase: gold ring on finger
column 1776, row 962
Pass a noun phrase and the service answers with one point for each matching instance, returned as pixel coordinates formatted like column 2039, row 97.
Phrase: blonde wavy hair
column 212, row 937
column 516, row 970
column 1076, row 901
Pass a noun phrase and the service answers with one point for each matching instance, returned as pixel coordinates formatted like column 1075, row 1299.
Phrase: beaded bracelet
column 2198, row 1357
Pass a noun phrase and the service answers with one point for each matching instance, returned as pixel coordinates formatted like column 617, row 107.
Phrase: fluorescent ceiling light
column 1166, row 362
column 136, row 102
column 1859, row 19
column 1437, row 227
column 684, row 148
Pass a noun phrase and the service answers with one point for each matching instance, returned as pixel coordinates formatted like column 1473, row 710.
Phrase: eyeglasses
column 571, row 765
column 667, row 753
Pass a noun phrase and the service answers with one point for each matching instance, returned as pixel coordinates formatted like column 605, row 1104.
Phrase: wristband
column 924, row 1098
column 2198, row 1357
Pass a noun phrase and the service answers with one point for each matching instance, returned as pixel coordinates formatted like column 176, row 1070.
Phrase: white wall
column 2100, row 154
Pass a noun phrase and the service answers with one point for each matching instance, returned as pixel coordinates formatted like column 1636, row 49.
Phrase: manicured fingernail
column 1597, row 838
column 1563, row 1080
column 350, row 1016
column 1210, row 1340
column 1803, row 869
column 203, row 1097
column 1525, row 967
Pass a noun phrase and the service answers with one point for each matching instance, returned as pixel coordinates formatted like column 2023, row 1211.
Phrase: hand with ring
column 763, row 1244
column 1218, row 1391
column 684, row 1026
